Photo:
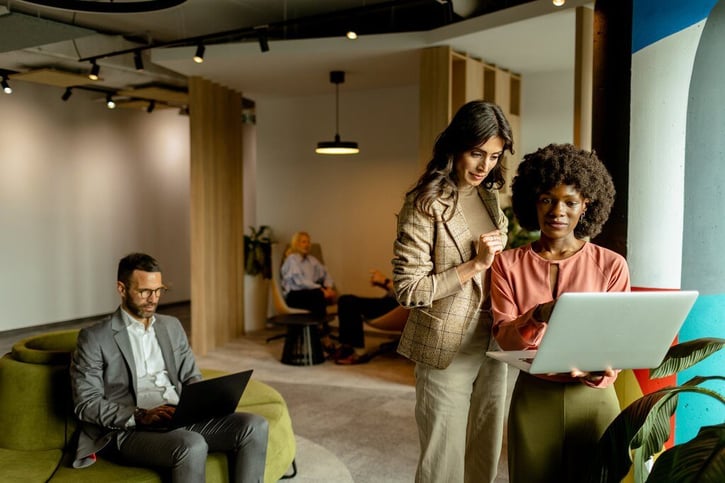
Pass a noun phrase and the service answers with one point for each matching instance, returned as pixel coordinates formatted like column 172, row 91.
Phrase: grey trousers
column 243, row 436
column 460, row 412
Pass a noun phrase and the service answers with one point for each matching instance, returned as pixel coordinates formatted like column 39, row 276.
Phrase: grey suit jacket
column 426, row 246
column 103, row 377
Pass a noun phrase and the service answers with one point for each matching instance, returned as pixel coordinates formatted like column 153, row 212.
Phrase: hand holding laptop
column 595, row 376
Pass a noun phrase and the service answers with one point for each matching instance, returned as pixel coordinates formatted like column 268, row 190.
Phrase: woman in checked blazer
column 449, row 229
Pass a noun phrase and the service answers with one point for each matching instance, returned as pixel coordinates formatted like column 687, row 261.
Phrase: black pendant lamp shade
column 337, row 77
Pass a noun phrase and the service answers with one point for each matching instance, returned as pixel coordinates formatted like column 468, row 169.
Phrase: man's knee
column 191, row 449
column 251, row 429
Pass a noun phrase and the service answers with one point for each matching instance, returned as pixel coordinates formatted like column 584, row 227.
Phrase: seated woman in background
column 306, row 283
column 352, row 311
column 555, row 420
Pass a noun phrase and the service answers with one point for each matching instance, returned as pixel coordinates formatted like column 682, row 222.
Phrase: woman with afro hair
column 555, row 420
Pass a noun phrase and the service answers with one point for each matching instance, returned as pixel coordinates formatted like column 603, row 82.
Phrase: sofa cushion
column 262, row 399
column 35, row 406
column 28, row 465
column 50, row 348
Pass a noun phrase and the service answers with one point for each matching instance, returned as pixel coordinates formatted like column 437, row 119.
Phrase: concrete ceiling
column 523, row 36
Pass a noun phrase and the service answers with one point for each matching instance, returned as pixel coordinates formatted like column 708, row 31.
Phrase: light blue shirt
column 303, row 273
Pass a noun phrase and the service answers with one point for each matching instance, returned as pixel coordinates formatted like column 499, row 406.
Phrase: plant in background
column 517, row 236
column 641, row 429
column 258, row 252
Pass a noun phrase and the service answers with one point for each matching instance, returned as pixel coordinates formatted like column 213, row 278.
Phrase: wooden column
column 217, row 224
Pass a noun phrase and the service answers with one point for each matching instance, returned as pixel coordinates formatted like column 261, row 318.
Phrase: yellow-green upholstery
column 37, row 422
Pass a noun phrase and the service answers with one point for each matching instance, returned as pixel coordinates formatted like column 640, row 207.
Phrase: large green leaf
column 644, row 426
column 612, row 459
column 656, row 428
column 700, row 460
column 685, row 355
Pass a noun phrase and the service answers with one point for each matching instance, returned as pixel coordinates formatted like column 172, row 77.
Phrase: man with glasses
column 127, row 374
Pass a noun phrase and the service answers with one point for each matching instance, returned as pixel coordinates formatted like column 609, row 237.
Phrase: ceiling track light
column 199, row 55
column 351, row 34
column 138, row 60
column 558, row 3
column 337, row 146
column 6, row 87
column 95, row 71
column 68, row 92
column 152, row 106
column 109, row 102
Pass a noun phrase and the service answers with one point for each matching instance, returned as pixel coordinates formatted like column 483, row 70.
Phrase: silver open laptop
column 595, row 331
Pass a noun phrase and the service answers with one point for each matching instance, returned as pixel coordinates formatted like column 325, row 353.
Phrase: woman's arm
column 513, row 328
column 417, row 281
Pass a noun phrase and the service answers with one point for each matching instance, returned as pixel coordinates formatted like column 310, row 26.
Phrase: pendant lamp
column 337, row 77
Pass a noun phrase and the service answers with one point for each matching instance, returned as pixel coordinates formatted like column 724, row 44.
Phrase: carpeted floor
column 362, row 415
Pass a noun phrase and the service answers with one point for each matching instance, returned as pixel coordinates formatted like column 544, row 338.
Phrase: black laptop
column 206, row 399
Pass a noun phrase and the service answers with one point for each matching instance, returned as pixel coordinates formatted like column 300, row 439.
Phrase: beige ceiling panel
column 52, row 77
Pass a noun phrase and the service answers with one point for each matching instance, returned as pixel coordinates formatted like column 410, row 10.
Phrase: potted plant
column 641, row 429
column 258, row 252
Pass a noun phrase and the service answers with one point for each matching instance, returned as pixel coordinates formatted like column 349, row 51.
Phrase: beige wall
column 347, row 203
column 80, row 187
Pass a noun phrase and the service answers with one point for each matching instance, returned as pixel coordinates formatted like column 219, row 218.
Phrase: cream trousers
column 460, row 414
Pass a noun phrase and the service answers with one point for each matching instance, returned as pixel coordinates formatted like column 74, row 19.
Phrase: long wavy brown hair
column 474, row 124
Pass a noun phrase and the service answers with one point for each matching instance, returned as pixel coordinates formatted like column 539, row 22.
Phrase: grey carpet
column 362, row 414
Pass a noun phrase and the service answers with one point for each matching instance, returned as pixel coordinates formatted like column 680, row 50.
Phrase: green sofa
column 37, row 422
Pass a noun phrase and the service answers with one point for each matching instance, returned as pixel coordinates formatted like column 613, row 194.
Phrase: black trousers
column 312, row 299
column 353, row 310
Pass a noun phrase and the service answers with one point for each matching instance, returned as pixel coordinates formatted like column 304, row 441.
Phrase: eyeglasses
column 146, row 292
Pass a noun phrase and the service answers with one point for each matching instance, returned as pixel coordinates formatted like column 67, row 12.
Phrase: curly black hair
column 565, row 164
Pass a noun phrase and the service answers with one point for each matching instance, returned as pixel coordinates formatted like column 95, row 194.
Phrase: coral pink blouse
column 520, row 280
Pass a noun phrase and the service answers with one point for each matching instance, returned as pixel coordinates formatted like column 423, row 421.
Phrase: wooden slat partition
column 435, row 97
column 217, row 225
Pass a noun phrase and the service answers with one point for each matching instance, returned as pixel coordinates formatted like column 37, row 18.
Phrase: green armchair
column 37, row 422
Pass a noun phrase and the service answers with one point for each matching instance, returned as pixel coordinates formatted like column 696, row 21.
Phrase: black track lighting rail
column 276, row 30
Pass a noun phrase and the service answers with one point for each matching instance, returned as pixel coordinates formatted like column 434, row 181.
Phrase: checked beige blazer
column 424, row 247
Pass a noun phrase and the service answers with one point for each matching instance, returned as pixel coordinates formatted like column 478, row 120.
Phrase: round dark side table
column 302, row 344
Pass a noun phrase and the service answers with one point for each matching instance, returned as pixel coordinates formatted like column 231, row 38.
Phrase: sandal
column 329, row 348
column 353, row 358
